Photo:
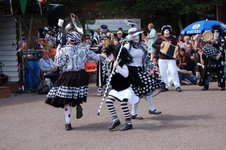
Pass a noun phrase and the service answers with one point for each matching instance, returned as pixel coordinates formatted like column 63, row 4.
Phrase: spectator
column 200, row 69
column 119, row 35
column 145, row 39
column 183, row 72
column 186, row 42
column 151, row 38
column 48, row 68
column 191, row 64
column 180, row 40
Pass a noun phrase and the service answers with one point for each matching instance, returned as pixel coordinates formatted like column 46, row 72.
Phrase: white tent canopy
column 113, row 24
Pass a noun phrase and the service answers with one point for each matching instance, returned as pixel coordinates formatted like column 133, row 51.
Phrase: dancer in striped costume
column 121, row 92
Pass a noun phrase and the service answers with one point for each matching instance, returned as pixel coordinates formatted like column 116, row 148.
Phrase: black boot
column 68, row 127
column 206, row 88
column 127, row 126
column 114, row 124
column 79, row 113
column 136, row 117
column 222, row 88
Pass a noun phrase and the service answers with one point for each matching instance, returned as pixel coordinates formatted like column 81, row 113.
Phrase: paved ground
column 191, row 120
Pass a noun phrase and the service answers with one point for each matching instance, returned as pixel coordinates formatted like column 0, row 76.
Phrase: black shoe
column 114, row 124
column 79, row 113
column 205, row 88
column 178, row 89
column 127, row 127
column 68, row 127
column 164, row 89
column 154, row 112
column 195, row 82
column 136, row 117
column 201, row 82
column 222, row 88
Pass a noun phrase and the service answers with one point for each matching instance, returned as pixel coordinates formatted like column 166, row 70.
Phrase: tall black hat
column 104, row 28
column 166, row 27
column 124, row 57
column 218, row 28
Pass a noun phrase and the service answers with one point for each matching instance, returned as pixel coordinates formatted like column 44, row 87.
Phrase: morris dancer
column 71, row 88
column 102, row 66
column 215, row 63
column 143, row 83
column 167, row 63
column 121, row 92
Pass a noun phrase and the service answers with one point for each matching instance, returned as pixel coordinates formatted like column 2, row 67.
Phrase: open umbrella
column 200, row 26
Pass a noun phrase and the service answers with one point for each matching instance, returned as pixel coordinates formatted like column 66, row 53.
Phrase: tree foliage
column 174, row 12
column 178, row 13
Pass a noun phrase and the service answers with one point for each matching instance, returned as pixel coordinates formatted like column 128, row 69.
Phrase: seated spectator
column 186, row 42
column 183, row 72
column 47, row 67
column 180, row 40
column 52, row 49
column 200, row 67
column 191, row 64
column 182, row 59
column 41, row 43
column 187, row 77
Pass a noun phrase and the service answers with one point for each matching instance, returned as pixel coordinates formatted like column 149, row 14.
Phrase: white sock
column 67, row 112
column 151, row 105
column 48, row 81
column 134, row 110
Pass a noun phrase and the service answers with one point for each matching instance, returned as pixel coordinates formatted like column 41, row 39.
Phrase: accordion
column 169, row 49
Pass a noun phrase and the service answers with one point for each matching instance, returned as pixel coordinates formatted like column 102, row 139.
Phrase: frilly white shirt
column 74, row 57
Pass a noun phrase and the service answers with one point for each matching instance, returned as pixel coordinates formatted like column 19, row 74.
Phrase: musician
column 71, row 88
column 215, row 63
column 167, row 64
column 120, row 92
column 102, row 67
column 143, row 82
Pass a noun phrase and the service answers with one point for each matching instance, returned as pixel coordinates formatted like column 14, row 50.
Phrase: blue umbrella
column 200, row 26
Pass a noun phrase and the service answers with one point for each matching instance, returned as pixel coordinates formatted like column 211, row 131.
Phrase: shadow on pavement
column 164, row 122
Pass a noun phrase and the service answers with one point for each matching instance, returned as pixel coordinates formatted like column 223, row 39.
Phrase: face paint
column 216, row 34
column 166, row 33
column 136, row 38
